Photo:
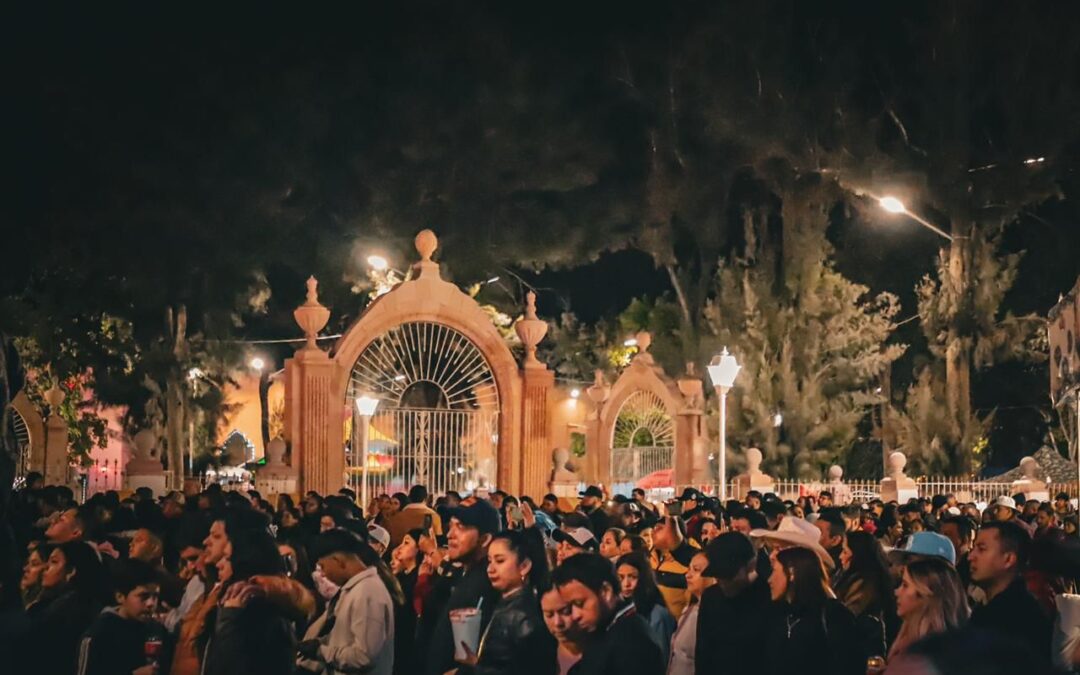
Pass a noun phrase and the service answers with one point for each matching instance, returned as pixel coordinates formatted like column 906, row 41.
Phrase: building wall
column 1063, row 332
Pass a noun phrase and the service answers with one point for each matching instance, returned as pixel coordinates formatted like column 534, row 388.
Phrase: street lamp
column 366, row 405
column 257, row 363
column 894, row 205
column 377, row 263
column 722, row 371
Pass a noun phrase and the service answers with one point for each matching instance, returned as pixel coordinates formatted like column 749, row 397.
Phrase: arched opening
column 642, row 442
column 18, row 429
column 438, row 419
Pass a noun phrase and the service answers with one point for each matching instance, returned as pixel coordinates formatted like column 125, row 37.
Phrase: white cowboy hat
column 1007, row 502
column 797, row 532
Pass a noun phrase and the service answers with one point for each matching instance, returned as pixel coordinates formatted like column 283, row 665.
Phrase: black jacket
column 405, row 660
column 599, row 521
column 1015, row 615
column 818, row 641
column 623, row 647
column 516, row 641
column 251, row 640
column 731, row 631
column 45, row 638
column 466, row 592
column 114, row 644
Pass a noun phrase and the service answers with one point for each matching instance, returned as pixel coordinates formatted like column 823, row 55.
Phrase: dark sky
column 144, row 140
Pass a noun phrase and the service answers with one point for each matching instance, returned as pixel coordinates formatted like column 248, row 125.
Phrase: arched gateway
column 455, row 408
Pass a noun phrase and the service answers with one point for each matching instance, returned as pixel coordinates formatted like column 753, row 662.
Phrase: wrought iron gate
column 643, row 441
column 437, row 423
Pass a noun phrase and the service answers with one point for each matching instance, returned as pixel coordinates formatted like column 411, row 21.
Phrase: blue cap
column 929, row 544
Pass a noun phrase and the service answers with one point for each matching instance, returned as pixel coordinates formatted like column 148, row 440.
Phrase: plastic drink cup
column 465, row 624
column 152, row 650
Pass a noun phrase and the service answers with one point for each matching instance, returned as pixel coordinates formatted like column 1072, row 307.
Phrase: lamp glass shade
column 723, row 369
column 366, row 404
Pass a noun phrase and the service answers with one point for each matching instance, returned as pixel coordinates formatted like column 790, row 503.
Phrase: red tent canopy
column 664, row 478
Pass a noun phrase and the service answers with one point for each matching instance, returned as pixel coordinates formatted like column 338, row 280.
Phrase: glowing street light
column 722, row 371
column 257, row 363
column 574, row 393
column 379, row 264
column 892, row 205
column 366, row 405
column 630, row 342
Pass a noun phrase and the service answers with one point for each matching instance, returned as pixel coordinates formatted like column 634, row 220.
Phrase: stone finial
column 1029, row 466
column 311, row 316
column 426, row 242
column 690, row 386
column 835, row 473
column 897, row 462
column 144, row 443
column 600, row 389
column 753, row 461
column 275, row 452
column 531, row 331
column 54, row 396
column 644, row 341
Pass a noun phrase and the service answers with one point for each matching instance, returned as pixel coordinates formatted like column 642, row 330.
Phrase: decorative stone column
column 312, row 416
column 275, row 477
column 897, row 487
column 596, row 450
column 55, row 465
column 754, row 478
column 537, row 382
column 144, row 469
column 692, row 462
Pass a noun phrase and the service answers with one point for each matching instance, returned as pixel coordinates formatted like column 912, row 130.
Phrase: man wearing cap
column 573, row 540
column 470, row 532
column 356, row 632
column 378, row 538
column 732, row 620
column 592, row 505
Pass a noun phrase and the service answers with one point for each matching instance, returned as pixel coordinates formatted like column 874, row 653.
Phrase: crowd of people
column 224, row 582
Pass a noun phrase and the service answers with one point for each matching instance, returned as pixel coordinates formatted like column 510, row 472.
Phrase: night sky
column 155, row 158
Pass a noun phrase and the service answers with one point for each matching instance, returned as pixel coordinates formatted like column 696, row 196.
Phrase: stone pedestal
column 537, row 382
column 313, row 418
column 754, row 479
column 692, row 462
column 840, row 491
column 276, row 477
column 564, row 482
column 55, row 464
column 897, row 487
column 144, row 468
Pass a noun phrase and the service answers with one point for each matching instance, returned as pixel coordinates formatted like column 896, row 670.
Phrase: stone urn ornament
column 531, row 330
column 840, row 491
column 311, row 316
column 1032, row 487
column 754, row 478
column 897, row 486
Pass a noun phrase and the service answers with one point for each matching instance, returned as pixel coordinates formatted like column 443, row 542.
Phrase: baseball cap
column 929, row 544
column 689, row 493
column 480, row 514
column 378, row 533
column 576, row 536
column 592, row 491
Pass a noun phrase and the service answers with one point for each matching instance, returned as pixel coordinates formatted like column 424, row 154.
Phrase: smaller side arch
column 35, row 429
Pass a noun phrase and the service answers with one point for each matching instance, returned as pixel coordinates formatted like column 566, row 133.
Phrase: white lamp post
column 722, row 371
column 366, row 405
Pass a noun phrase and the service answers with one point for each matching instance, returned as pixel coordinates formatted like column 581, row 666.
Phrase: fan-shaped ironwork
column 424, row 365
column 643, row 421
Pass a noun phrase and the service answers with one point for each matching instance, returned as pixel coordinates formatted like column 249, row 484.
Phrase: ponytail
column 528, row 544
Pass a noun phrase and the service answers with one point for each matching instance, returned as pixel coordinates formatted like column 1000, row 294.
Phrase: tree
column 812, row 343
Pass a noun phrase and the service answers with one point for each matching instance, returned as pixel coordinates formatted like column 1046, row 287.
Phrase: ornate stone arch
column 31, row 421
column 426, row 298
column 317, row 383
column 681, row 402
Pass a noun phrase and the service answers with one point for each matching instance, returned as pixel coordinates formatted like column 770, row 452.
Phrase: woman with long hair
column 250, row 633
column 405, row 563
column 610, row 542
column 865, row 588
column 930, row 600
column 516, row 641
column 810, row 631
column 637, row 582
column 684, row 641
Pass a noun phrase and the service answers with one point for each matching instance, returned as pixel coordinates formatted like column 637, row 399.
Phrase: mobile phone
column 427, row 522
column 674, row 509
column 515, row 514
